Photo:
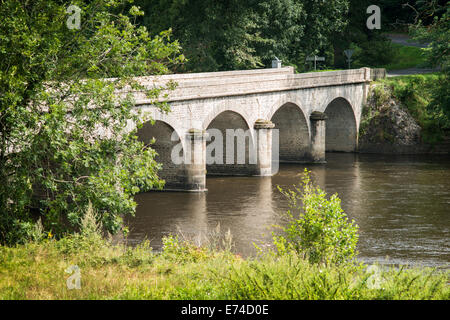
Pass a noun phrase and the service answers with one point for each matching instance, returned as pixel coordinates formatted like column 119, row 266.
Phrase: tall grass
column 185, row 271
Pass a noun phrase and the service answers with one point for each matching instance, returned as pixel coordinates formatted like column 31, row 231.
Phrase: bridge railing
column 218, row 75
column 233, row 83
column 377, row 73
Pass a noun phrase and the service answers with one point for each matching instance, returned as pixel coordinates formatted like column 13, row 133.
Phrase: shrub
column 317, row 228
column 89, row 240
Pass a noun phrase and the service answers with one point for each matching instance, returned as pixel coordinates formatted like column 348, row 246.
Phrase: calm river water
column 401, row 204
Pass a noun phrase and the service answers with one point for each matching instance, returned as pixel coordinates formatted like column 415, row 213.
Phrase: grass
column 185, row 271
column 406, row 57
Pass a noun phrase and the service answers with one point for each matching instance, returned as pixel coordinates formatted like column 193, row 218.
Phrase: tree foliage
column 437, row 34
column 231, row 34
column 64, row 137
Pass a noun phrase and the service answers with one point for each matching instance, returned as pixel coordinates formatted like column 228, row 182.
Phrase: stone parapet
column 249, row 82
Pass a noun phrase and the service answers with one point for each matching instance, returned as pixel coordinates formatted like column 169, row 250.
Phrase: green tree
column 438, row 35
column 231, row 34
column 64, row 141
column 371, row 47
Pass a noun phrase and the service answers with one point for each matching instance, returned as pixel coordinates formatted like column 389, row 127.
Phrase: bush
column 317, row 228
column 440, row 104
column 289, row 277
column 89, row 241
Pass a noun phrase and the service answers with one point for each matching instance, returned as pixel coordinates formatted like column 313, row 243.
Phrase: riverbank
column 397, row 118
column 186, row 271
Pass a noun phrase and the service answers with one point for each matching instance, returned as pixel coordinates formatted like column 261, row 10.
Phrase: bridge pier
column 263, row 134
column 318, row 134
column 195, row 164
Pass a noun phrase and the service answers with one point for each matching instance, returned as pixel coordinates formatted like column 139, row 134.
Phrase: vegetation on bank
column 426, row 97
column 185, row 271
column 312, row 259
column 232, row 34
column 420, row 95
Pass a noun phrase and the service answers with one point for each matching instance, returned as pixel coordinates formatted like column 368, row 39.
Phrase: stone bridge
column 313, row 112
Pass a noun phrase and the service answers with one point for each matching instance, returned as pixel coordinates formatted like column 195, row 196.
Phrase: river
column 401, row 204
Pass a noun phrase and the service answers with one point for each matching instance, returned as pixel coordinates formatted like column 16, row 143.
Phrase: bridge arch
column 154, row 113
column 341, row 126
column 289, row 98
column 167, row 142
column 227, row 106
column 294, row 134
column 230, row 146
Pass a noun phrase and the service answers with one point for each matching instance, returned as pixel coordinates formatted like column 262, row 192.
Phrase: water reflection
column 163, row 213
column 401, row 205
